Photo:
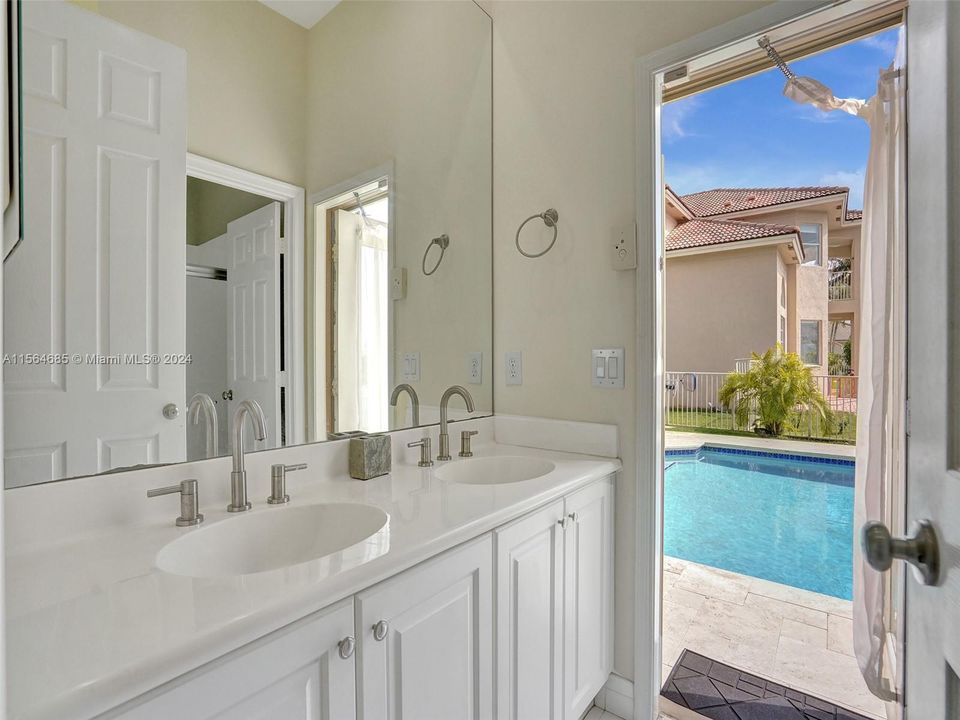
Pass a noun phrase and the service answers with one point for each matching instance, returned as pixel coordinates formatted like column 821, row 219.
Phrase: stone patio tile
column 678, row 595
column 822, row 672
column 714, row 583
column 788, row 610
column 735, row 634
column 807, row 634
column 840, row 635
column 815, row 601
column 677, row 620
column 673, row 565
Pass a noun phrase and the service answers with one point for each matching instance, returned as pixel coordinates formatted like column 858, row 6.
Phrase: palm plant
column 779, row 388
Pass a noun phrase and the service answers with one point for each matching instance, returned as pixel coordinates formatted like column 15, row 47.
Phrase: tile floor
column 801, row 639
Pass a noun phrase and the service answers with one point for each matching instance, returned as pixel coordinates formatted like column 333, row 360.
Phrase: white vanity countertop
column 92, row 623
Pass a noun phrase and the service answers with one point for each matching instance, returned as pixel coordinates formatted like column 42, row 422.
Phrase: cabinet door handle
column 380, row 630
column 574, row 517
column 563, row 522
column 347, row 646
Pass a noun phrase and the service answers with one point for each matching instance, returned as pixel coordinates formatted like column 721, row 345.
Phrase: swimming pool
column 785, row 518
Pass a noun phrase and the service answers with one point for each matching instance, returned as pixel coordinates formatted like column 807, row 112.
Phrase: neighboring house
column 749, row 267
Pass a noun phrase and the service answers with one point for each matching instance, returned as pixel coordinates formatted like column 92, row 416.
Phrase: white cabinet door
column 530, row 616
column 435, row 658
column 99, row 276
column 293, row 674
column 588, row 597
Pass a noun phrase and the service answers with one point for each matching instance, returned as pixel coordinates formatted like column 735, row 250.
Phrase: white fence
column 840, row 285
column 691, row 401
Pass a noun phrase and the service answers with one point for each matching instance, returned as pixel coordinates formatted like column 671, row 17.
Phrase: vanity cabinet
column 555, row 607
column 296, row 673
column 426, row 640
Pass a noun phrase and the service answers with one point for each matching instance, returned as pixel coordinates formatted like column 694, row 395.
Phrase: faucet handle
column 425, row 452
column 278, row 482
column 189, row 501
column 465, row 436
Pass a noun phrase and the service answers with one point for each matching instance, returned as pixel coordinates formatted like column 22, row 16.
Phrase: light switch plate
column 513, row 367
column 475, row 368
column 606, row 367
column 398, row 283
column 410, row 367
column 624, row 255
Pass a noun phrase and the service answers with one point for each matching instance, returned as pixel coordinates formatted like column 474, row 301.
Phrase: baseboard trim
column 616, row 696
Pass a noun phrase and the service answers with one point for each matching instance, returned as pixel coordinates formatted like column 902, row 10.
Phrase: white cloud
column 852, row 180
column 887, row 44
column 674, row 117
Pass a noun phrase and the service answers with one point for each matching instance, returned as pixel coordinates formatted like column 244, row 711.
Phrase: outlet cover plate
column 606, row 367
column 410, row 367
column 513, row 367
column 475, row 368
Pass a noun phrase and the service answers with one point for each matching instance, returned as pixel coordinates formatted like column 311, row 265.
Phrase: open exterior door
column 98, row 280
column 932, row 688
column 253, row 323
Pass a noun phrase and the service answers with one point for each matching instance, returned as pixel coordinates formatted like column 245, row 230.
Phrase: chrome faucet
column 444, row 401
column 414, row 400
column 238, row 478
column 201, row 402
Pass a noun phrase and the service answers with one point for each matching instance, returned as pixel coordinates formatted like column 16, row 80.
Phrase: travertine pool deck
column 798, row 638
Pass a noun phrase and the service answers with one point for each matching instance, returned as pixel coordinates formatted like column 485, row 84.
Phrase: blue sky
column 747, row 134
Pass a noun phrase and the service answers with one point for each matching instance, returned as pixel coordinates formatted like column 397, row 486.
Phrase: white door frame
column 649, row 309
column 292, row 198
column 323, row 199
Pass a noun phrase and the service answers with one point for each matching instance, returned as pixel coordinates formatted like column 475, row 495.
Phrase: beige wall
column 565, row 137
column 720, row 307
column 246, row 78
column 211, row 206
column 410, row 82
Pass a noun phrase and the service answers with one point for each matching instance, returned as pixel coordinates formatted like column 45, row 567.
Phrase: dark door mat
column 720, row 692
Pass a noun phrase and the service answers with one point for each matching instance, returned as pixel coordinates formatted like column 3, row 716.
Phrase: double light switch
column 608, row 367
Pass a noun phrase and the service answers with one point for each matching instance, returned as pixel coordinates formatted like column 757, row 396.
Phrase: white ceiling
column 305, row 13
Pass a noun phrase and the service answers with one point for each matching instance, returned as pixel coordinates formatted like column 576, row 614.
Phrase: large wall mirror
column 162, row 279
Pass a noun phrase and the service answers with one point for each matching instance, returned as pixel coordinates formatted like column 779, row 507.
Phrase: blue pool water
column 785, row 518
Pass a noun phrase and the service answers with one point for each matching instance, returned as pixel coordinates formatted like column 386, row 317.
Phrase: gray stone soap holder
column 369, row 456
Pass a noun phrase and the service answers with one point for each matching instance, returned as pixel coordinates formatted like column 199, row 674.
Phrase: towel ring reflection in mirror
column 443, row 242
column 550, row 218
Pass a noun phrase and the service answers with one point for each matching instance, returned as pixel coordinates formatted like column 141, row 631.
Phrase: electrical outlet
column 398, row 283
column 513, row 363
column 410, row 367
column 475, row 368
column 625, row 248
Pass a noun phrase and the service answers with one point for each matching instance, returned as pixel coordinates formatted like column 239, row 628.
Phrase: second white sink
column 274, row 538
column 495, row 470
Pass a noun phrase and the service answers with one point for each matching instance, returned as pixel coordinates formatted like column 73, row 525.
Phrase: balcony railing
column 841, row 285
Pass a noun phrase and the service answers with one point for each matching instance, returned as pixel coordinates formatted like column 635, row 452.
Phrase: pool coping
column 805, row 456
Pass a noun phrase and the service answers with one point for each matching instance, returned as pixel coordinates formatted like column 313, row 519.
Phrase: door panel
column 933, row 355
column 530, row 616
column 253, row 323
column 588, row 605
column 104, row 114
column 435, row 661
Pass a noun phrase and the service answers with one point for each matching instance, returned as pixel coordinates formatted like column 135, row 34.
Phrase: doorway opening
column 761, row 215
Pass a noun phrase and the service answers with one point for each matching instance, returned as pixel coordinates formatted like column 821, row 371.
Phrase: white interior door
column 101, row 269
column 253, row 323
column 933, row 350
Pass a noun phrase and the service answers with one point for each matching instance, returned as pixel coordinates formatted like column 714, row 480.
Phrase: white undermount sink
column 495, row 470
column 271, row 539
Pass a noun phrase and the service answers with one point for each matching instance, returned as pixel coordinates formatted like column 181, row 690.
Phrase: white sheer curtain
column 372, row 333
column 880, row 399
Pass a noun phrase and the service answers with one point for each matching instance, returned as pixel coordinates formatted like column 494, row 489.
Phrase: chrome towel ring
column 550, row 218
column 443, row 242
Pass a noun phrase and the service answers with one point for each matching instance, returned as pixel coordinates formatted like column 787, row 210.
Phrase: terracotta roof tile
column 854, row 215
column 729, row 200
column 699, row 233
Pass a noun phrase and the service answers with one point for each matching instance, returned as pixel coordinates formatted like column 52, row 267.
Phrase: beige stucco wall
column 246, row 78
column 720, row 307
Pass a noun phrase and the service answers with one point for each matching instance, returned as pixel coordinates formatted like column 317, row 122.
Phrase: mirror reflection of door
column 358, row 272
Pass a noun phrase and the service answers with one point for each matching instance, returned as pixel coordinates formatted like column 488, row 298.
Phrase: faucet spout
column 238, row 478
column 444, row 401
column 202, row 403
column 414, row 401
